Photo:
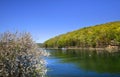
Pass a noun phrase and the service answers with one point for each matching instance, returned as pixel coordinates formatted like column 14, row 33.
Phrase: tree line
column 100, row 35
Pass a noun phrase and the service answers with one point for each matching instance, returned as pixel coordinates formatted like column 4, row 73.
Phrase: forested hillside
column 100, row 35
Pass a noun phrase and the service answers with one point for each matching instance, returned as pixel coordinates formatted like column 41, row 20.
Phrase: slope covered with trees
column 100, row 35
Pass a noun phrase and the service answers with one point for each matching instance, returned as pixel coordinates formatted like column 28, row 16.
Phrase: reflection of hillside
column 98, row 61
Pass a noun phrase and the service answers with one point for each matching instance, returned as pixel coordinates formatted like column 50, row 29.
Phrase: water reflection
column 98, row 61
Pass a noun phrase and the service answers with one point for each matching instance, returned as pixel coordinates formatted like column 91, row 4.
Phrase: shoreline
column 79, row 48
column 89, row 48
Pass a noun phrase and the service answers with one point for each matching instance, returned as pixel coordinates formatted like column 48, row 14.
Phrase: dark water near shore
column 83, row 63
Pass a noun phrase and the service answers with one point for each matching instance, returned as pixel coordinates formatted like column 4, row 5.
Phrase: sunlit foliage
column 93, row 36
column 20, row 56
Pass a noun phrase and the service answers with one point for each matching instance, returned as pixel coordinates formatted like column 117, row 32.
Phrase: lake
column 82, row 63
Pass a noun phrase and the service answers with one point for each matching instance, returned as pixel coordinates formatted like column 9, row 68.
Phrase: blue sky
column 47, row 18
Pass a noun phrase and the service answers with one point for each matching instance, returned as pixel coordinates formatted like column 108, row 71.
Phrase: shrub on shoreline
column 20, row 56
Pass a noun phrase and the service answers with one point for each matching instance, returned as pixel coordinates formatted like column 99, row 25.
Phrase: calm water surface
column 79, row 63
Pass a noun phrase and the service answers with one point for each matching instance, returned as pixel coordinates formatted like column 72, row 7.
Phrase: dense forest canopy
column 93, row 36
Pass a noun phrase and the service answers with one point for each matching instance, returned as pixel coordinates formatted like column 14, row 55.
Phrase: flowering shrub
column 20, row 56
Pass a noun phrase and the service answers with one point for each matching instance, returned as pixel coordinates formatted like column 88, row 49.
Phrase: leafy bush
column 20, row 56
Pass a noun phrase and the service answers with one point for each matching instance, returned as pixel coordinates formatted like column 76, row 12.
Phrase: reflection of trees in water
column 100, row 61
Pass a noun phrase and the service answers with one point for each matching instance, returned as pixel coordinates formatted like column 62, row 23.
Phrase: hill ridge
column 100, row 35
